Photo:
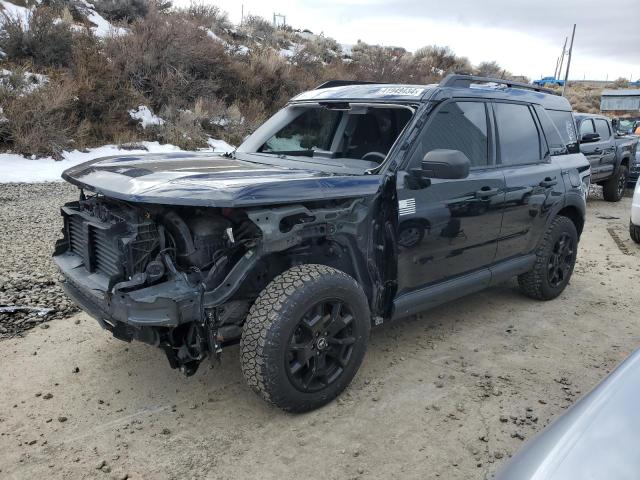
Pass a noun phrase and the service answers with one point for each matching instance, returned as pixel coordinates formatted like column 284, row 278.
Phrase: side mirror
column 446, row 164
column 590, row 138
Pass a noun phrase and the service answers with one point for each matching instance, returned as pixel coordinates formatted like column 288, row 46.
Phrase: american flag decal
column 407, row 206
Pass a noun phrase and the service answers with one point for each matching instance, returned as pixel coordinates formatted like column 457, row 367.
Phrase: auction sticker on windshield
column 408, row 91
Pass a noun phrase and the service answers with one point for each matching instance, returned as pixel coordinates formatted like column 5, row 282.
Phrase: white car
column 634, row 224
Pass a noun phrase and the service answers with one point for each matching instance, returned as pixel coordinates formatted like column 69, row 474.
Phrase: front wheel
column 613, row 189
column 305, row 337
column 555, row 258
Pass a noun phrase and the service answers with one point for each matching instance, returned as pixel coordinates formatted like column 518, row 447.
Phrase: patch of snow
column 30, row 81
column 243, row 50
column 346, row 49
column 290, row 51
column 210, row 34
column 18, row 168
column 102, row 26
column 15, row 12
column 220, row 146
column 145, row 116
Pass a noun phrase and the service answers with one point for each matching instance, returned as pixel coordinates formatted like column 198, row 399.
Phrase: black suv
column 354, row 205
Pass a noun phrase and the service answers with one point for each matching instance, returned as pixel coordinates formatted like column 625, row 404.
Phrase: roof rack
column 343, row 83
column 464, row 81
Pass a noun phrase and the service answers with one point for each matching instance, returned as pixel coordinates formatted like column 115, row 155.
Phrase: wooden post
column 566, row 76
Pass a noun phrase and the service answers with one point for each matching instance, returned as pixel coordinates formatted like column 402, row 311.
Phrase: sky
column 525, row 37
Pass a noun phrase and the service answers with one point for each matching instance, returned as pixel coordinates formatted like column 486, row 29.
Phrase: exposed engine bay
column 183, row 278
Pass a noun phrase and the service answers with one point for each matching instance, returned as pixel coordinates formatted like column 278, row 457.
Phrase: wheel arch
column 575, row 215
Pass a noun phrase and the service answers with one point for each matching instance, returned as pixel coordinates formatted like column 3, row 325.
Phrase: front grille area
column 111, row 240
column 96, row 244
column 105, row 254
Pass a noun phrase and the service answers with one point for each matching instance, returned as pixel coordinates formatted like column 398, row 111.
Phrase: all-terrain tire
column 634, row 232
column 276, row 316
column 537, row 283
column 613, row 189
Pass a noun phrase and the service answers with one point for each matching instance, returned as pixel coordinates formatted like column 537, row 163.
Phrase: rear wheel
column 555, row 259
column 634, row 232
column 305, row 337
column 613, row 189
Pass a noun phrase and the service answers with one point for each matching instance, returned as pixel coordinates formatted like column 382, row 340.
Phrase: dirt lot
column 450, row 394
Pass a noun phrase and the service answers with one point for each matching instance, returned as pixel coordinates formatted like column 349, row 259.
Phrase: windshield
column 352, row 135
column 626, row 126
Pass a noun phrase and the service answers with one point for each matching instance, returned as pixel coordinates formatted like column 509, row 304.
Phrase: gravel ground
column 29, row 286
column 450, row 394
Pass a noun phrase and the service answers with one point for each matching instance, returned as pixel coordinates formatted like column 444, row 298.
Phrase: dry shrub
column 257, row 27
column 182, row 128
column 45, row 43
column 242, row 120
column 122, row 10
column 103, row 96
column 583, row 98
column 209, row 16
column 267, row 77
column 170, row 61
column 43, row 122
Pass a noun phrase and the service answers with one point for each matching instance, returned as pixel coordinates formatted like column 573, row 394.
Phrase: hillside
column 76, row 74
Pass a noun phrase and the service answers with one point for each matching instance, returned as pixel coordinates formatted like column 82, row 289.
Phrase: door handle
column 486, row 192
column 549, row 182
column 597, row 150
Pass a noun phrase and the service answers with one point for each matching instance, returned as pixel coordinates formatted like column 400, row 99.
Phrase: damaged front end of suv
column 183, row 276
column 185, row 250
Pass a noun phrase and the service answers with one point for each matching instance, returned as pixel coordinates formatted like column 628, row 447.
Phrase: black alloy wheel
column 560, row 261
column 321, row 346
column 305, row 337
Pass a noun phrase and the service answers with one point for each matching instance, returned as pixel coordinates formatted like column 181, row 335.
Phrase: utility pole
column 566, row 76
column 241, row 14
column 564, row 49
column 277, row 16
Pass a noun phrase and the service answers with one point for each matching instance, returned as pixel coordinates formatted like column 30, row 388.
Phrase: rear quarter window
column 557, row 145
column 566, row 126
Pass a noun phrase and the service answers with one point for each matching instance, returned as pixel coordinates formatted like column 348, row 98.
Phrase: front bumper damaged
column 128, row 314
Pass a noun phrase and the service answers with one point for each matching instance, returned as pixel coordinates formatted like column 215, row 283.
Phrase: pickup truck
column 549, row 81
column 610, row 155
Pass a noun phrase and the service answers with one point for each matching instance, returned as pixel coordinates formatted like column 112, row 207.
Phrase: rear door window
column 518, row 135
column 557, row 145
column 602, row 129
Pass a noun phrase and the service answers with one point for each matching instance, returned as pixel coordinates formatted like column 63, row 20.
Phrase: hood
column 212, row 180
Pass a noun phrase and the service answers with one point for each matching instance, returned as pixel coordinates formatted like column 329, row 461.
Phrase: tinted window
column 586, row 126
column 566, row 127
column 456, row 126
column 518, row 138
column 602, row 129
column 555, row 141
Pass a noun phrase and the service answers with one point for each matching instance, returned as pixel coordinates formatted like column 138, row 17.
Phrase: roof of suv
column 458, row 86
